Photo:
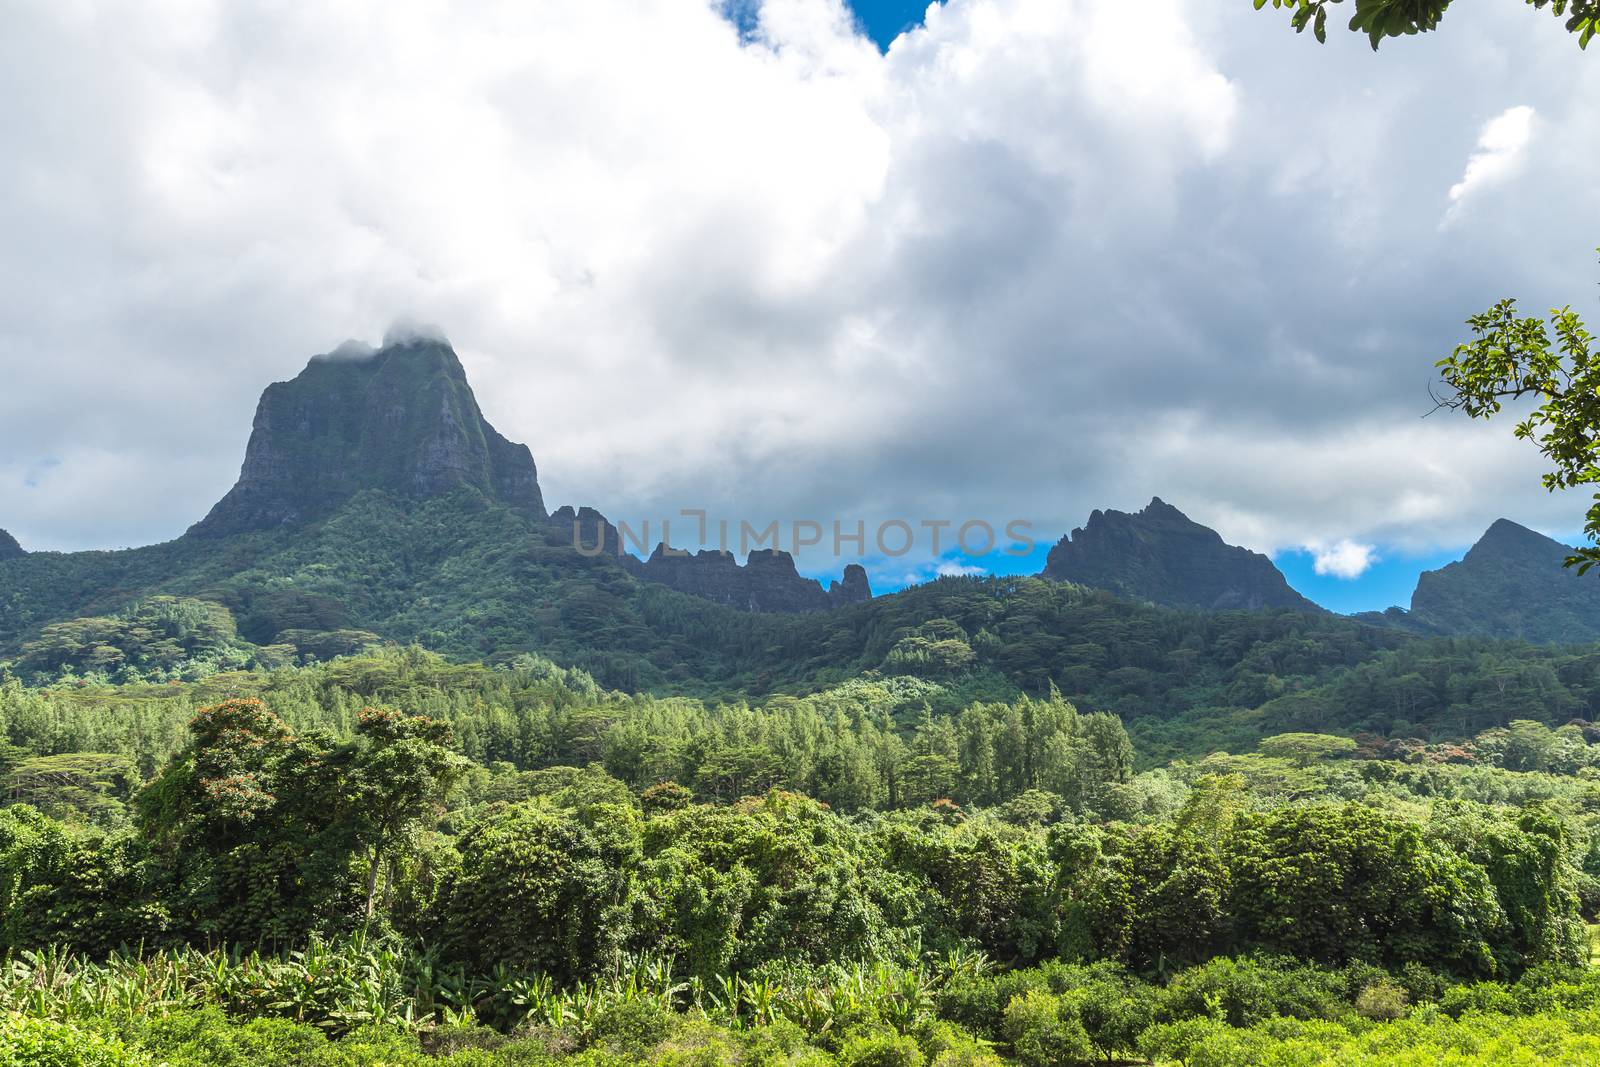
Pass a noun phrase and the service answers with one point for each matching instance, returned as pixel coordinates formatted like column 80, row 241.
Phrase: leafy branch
column 1512, row 358
column 1379, row 19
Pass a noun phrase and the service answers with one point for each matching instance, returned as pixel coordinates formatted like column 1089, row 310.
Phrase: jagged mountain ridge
column 767, row 581
column 1511, row 584
column 1161, row 555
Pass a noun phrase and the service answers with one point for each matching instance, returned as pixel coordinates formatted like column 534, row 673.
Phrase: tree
column 1393, row 18
column 1044, row 1030
column 93, row 783
column 244, row 826
column 400, row 778
column 35, row 855
column 1512, row 358
column 1342, row 882
column 541, row 889
column 1179, row 887
column 257, row 828
column 1305, row 749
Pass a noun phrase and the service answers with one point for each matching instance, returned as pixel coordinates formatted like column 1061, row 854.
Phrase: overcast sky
column 1041, row 256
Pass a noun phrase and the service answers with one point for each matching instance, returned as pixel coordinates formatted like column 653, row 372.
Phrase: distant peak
column 400, row 419
column 1157, row 506
column 1161, row 555
column 1504, row 536
column 766, row 581
column 360, row 358
column 854, row 588
column 1514, row 583
column 1507, row 528
column 403, row 334
column 9, row 549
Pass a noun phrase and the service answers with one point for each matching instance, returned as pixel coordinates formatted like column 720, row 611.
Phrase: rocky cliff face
column 401, row 418
column 9, row 549
column 1159, row 554
column 1510, row 584
column 768, row 580
column 853, row 588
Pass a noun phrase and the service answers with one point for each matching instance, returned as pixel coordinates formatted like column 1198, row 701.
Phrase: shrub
column 1483, row 997
column 1044, row 1030
column 1248, row 991
column 947, row 1045
column 29, row 1042
column 1178, row 1041
column 880, row 1050
column 1384, row 1000
column 633, row 1027
column 694, row 1044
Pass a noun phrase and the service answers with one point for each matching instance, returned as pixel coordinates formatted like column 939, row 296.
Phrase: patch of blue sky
column 1387, row 582
column 884, row 20
column 880, row 20
column 888, row 574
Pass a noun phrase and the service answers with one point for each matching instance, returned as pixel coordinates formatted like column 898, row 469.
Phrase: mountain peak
column 1504, row 537
column 1161, row 555
column 406, row 331
column 853, row 588
column 400, row 418
column 1513, row 583
column 9, row 549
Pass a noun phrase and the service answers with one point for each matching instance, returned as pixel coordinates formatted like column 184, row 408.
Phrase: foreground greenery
column 540, row 868
column 355, row 1004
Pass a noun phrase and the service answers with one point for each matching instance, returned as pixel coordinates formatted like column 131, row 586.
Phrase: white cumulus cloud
column 1501, row 148
column 1343, row 559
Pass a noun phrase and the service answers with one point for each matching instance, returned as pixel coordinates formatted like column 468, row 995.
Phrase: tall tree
column 1513, row 358
column 403, row 771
